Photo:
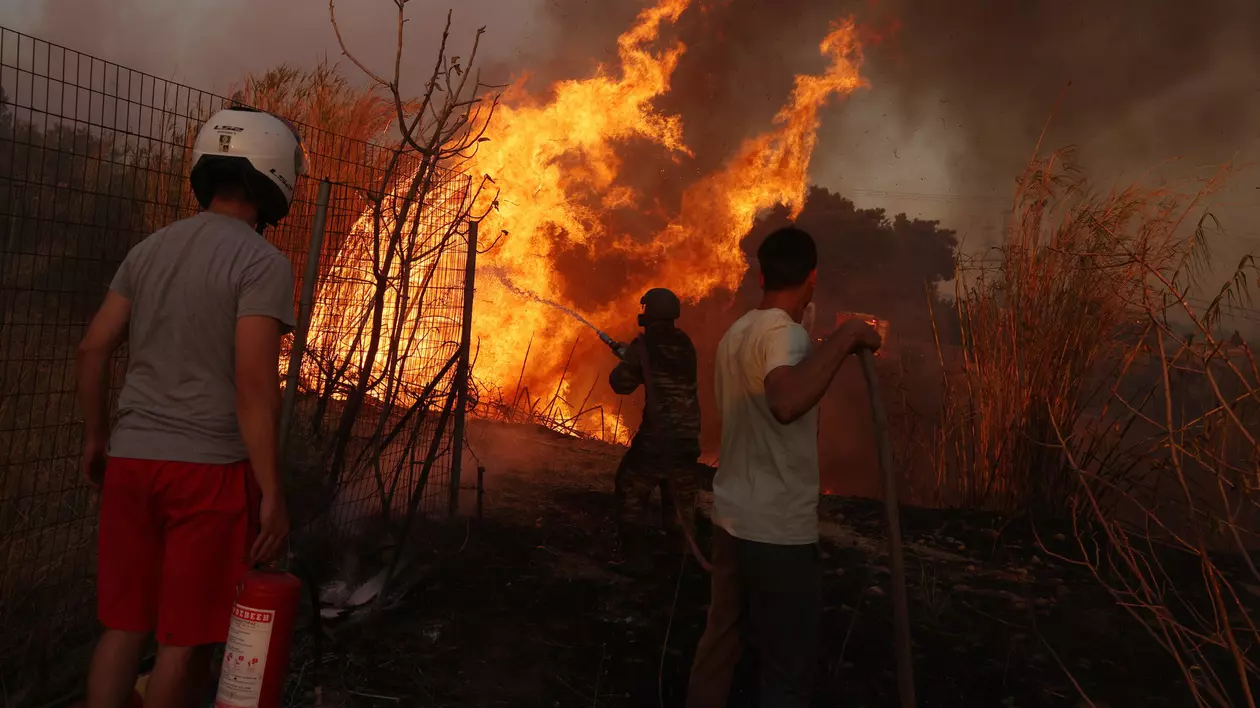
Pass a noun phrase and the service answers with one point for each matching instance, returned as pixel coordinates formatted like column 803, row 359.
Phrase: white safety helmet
column 258, row 150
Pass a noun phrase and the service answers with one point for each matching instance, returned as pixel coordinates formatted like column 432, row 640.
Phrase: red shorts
column 174, row 543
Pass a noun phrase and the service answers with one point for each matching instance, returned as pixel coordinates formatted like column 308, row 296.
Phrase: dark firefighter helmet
column 659, row 305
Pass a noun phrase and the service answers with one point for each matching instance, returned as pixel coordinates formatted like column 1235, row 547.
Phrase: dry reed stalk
column 1078, row 396
column 1040, row 328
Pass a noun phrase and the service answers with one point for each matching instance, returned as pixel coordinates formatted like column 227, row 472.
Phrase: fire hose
column 892, row 520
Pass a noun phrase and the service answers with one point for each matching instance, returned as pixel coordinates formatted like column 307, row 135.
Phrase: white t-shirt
column 766, row 488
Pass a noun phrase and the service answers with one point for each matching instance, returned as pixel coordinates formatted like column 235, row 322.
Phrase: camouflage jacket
column 671, row 408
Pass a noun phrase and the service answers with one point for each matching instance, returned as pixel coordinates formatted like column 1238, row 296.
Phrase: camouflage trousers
column 649, row 465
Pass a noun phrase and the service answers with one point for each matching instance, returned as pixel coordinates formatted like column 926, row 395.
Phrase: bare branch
column 332, row 18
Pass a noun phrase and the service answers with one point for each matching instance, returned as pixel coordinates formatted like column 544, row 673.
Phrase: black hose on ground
column 690, row 535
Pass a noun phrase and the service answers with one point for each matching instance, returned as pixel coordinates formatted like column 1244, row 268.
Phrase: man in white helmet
column 191, row 493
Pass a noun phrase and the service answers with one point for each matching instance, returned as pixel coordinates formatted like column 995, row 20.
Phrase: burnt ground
column 522, row 608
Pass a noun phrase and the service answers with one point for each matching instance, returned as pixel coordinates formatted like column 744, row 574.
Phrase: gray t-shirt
column 188, row 284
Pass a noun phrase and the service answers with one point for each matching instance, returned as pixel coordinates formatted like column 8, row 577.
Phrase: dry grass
column 551, row 410
column 323, row 98
column 1047, row 321
column 1079, row 394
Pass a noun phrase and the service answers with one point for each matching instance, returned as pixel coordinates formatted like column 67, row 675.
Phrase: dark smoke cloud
column 959, row 90
column 1150, row 91
column 1149, row 80
column 960, row 93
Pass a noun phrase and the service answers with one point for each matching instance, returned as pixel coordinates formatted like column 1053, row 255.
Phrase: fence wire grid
column 93, row 158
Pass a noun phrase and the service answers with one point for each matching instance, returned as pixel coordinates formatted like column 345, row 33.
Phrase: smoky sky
column 1142, row 80
column 959, row 91
column 970, row 83
column 212, row 44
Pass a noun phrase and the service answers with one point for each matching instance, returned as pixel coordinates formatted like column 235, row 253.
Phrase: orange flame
column 341, row 323
column 539, row 155
column 546, row 156
column 769, row 169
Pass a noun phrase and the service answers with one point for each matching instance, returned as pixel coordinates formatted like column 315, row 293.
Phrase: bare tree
column 383, row 363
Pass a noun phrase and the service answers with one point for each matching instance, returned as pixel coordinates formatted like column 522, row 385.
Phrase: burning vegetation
column 1073, row 400
column 575, row 222
column 1037, row 400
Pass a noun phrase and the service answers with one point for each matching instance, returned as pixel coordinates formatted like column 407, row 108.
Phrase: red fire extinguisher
column 259, row 639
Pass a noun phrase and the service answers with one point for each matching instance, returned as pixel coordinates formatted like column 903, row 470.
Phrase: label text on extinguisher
column 251, row 615
column 245, row 658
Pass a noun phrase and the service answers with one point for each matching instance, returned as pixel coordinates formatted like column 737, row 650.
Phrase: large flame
column 556, row 164
column 414, row 346
column 769, row 169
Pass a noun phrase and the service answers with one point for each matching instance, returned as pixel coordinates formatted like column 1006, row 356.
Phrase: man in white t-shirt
column 767, row 581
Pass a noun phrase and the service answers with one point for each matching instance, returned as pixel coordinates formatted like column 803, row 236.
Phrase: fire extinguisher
column 256, row 658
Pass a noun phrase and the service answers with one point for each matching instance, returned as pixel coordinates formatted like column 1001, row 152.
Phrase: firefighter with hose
column 191, row 491
column 666, row 447
column 766, row 583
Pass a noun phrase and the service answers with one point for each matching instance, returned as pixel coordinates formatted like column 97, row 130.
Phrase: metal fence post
column 309, row 277
column 461, row 374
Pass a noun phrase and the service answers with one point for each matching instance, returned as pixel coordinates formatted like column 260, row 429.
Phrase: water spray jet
column 618, row 348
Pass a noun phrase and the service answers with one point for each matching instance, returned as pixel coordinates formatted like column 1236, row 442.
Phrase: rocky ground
column 522, row 608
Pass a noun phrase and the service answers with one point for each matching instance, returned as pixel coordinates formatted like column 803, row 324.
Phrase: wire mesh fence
column 400, row 351
column 93, row 158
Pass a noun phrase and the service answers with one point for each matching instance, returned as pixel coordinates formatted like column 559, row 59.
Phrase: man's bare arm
column 258, row 413
column 791, row 391
column 258, row 397
column 104, row 335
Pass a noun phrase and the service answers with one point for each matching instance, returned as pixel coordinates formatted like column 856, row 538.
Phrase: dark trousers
column 651, row 464
column 768, row 596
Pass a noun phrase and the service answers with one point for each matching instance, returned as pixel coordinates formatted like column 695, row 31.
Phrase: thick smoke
column 961, row 91
column 960, row 94
column 1148, row 81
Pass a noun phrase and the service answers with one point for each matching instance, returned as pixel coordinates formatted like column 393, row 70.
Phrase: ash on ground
column 524, row 608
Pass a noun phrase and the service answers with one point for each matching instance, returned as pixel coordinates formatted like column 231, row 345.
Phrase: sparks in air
column 557, row 162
